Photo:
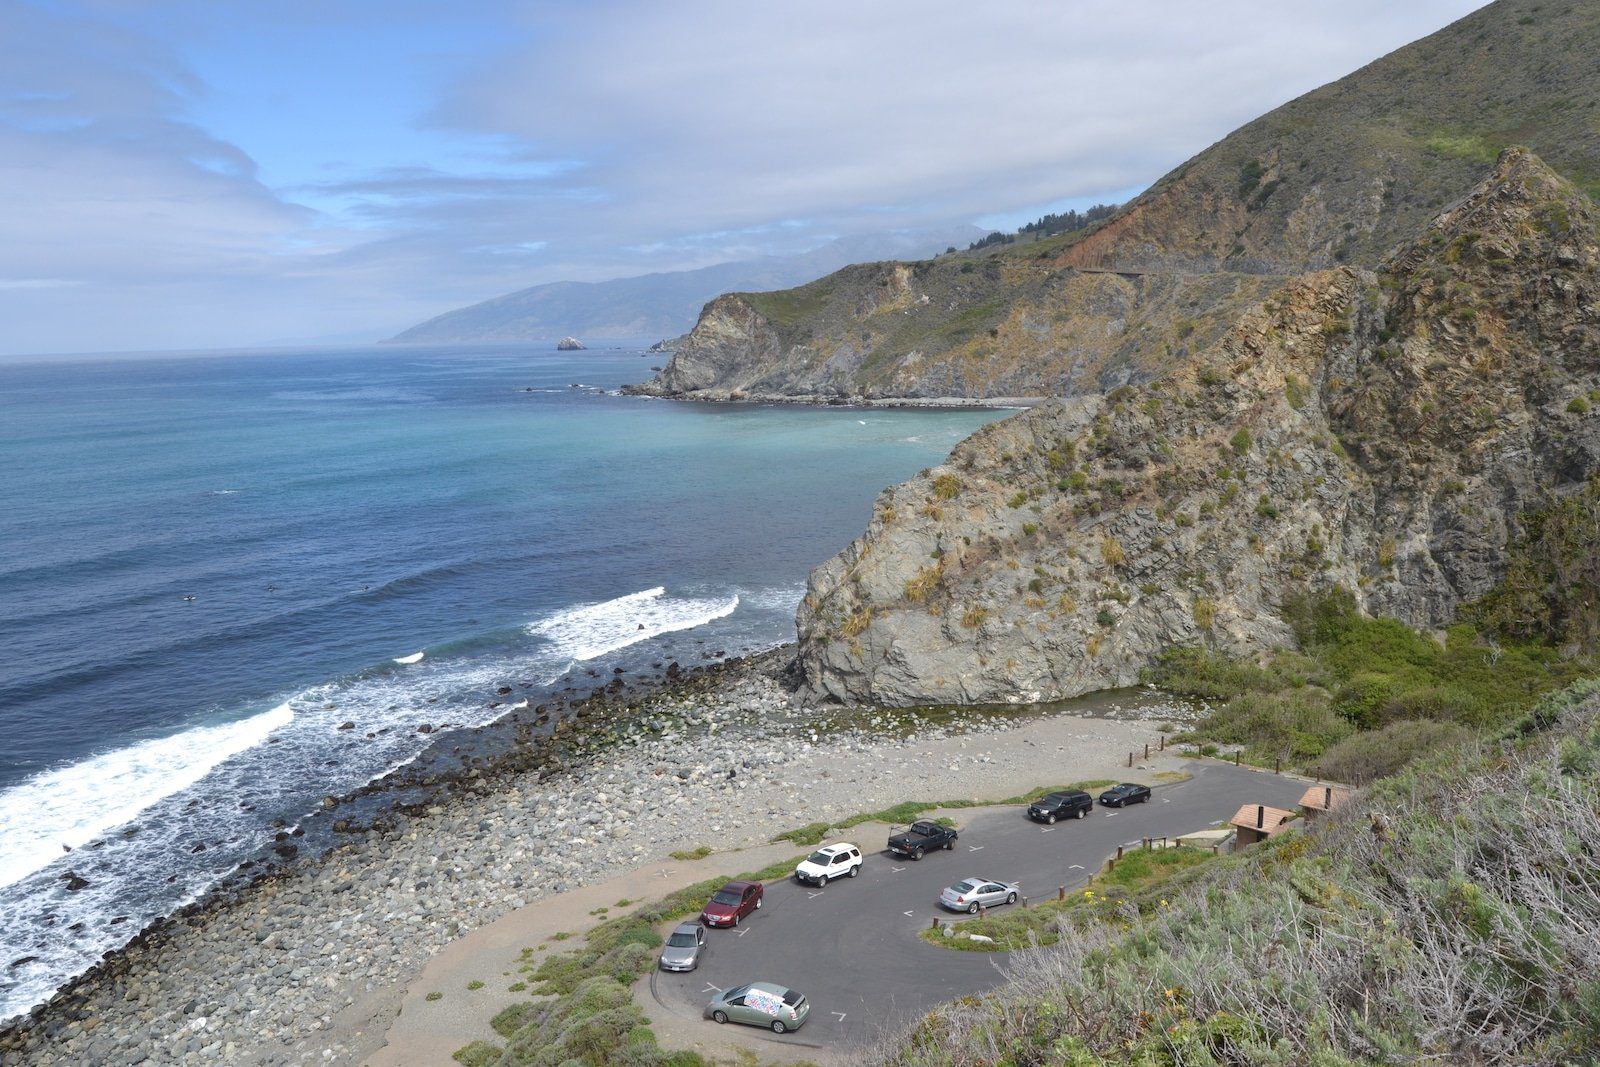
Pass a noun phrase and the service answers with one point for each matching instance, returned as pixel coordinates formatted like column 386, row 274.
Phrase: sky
column 179, row 174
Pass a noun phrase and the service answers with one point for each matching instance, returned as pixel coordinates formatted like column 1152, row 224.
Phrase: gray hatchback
column 760, row 1004
column 683, row 948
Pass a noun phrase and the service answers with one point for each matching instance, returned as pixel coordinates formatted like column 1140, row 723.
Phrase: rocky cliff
column 1338, row 176
column 1379, row 429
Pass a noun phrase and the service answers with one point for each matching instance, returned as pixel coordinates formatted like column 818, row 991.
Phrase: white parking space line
column 1111, row 815
column 840, row 1014
column 896, row 870
column 1076, row 867
column 711, row 988
column 910, row 913
column 814, row 896
column 974, row 848
column 1048, row 830
column 746, row 930
column 1166, row 800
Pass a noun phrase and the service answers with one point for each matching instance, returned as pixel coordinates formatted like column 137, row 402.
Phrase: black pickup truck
column 922, row 837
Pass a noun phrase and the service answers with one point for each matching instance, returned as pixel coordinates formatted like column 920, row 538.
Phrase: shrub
column 1105, row 618
column 974, row 617
column 1205, row 613
column 1240, row 441
column 1111, row 552
column 923, row 583
column 1374, row 754
column 1578, row 405
column 946, row 487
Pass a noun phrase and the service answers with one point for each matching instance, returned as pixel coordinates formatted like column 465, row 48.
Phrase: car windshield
column 823, row 858
column 964, row 887
column 725, row 896
column 681, row 940
column 1055, row 798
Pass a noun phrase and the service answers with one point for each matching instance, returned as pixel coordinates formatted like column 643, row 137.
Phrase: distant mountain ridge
column 663, row 304
column 1336, row 177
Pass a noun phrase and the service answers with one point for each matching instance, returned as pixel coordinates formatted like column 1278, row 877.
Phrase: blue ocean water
column 209, row 564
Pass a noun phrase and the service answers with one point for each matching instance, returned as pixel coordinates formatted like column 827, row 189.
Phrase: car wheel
column 916, row 853
column 1011, row 898
column 855, row 870
column 1082, row 812
column 972, row 909
column 1145, row 799
column 736, row 918
column 950, row 844
column 758, row 903
column 822, row 883
column 719, row 1016
column 1051, row 819
column 778, row 1027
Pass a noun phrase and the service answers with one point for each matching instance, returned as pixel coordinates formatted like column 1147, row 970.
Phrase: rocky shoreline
column 269, row 972
column 740, row 396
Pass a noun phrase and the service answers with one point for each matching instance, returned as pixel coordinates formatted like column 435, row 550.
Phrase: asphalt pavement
column 852, row 948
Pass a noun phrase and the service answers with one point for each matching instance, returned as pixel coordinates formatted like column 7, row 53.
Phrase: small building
column 1257, row 822
column 1321, row 799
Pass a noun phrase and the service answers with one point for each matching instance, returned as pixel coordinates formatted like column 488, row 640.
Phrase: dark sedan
column 731, row 903
column 1126, row 793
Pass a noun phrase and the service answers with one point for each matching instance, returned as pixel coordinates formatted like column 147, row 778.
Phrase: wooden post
column 936, row 922
column 1163, row 841
column 1147, row 750
column 1119, row 852
column 1061, row 892
column 1163, row 741
column 1216, row 850
column 1130, row 759
column 1277, row 764
column 1024, row 903
column 1236, row 756
column 1111, row 865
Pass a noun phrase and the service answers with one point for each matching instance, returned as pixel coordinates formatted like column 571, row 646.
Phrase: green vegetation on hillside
column 1441, row 918
column 1363, row 696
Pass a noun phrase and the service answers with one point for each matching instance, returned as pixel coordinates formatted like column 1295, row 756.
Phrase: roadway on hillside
column 853, row 949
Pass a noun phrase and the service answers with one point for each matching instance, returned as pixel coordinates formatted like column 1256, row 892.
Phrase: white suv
column 829, row 862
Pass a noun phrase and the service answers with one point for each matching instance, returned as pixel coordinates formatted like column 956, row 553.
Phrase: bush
column 1367, row 756
column 1240, row 441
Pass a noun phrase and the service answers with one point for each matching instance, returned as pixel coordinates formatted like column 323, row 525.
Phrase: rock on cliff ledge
column 1379, row 430
column 570, row 344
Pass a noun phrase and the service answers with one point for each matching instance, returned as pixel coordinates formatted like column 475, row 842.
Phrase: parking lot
column 852, row 948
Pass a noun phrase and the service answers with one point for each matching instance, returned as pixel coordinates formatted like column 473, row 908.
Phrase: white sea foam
column 593, row 630
column 405, row 661
column 75, row 804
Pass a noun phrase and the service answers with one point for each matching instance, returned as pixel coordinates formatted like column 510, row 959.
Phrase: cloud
column 575, row 141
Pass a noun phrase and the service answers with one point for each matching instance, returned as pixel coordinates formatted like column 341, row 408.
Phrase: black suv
column 1069, row 804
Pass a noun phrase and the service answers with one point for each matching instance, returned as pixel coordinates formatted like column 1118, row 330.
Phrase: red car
column 731, row 903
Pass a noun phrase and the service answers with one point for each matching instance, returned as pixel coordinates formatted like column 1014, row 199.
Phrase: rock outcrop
column 1377, row 429
column 570, row 344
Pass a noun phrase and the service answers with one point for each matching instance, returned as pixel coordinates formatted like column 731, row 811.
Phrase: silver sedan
column 970, row 894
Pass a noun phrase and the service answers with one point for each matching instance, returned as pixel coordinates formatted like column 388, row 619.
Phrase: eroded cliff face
column 1380, row 430
column 950, row 329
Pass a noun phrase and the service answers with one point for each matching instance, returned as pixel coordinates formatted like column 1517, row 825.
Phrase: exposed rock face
column 569, row 344
column 1380, row 430
column 1000, row 329
column 1338, row 176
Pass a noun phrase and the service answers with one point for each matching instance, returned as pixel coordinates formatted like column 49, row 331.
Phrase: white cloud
column 616, row 138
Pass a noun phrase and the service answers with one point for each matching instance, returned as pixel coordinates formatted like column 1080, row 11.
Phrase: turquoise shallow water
column 208, row 564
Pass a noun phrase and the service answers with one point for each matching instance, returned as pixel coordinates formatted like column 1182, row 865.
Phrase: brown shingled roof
column 1325, row 797
column 1262, row 817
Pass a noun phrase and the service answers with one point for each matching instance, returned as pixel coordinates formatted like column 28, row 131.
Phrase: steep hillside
column 1338, row 176
column 1380, row 430
column 661, row 304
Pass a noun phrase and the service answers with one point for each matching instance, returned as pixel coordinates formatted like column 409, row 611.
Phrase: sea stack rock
column 569, row 344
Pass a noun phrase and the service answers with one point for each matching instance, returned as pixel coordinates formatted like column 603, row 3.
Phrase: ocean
column 233, row 584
